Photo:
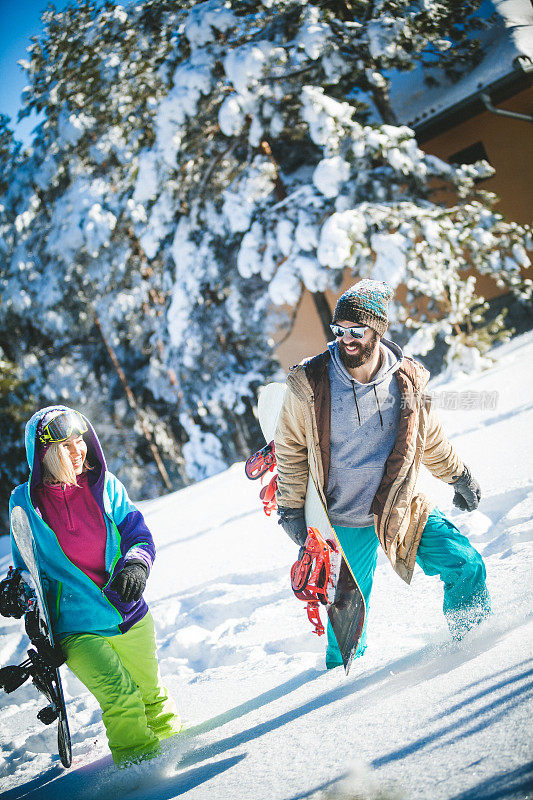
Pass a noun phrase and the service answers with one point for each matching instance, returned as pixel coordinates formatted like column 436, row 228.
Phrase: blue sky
column 19, row 21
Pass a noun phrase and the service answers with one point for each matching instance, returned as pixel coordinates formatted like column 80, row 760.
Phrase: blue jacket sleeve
column 136, row 541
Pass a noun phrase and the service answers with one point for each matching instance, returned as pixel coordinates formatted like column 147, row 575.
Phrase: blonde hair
column 57, row 466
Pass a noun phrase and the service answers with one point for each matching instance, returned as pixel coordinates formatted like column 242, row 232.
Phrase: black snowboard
column 44, row 656
column 347, row 614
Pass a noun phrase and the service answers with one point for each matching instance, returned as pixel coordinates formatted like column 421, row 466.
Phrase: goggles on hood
column 61, row 427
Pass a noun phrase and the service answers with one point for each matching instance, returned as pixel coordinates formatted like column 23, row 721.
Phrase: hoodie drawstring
column 356, row 404
column 377, row 403
column 379, row 409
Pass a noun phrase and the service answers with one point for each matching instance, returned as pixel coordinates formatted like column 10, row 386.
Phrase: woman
column 96, row 552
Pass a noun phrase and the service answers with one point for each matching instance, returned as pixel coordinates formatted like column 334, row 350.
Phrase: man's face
column 356, row 352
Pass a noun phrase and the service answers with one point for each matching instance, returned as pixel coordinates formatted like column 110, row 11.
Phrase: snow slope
column 418, row 717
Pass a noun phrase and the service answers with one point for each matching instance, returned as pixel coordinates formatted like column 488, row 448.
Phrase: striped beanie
column 365, row 303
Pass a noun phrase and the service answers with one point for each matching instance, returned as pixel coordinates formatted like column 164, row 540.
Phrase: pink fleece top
column 77, row 521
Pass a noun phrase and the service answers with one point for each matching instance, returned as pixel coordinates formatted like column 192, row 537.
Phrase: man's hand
column 467, row 492
column 292, row 521
column 130, row 581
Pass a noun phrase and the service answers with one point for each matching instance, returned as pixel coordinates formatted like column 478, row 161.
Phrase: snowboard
column 45, row 677
column 347, row 611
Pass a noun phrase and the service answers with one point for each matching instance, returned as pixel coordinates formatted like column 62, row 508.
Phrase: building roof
column 508, row 61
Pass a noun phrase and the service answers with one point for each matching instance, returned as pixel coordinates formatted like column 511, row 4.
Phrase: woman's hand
column 130, row 581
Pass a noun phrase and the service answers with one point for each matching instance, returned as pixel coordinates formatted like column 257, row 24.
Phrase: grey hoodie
column 364, row 426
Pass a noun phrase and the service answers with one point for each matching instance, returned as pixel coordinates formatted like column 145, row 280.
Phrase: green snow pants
column 123, row 674
column 442, row 551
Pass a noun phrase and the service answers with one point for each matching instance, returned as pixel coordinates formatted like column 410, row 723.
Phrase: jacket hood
column 95, row 454
column 392, row 360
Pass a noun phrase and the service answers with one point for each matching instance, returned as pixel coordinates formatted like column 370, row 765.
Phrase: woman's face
column 76, row 449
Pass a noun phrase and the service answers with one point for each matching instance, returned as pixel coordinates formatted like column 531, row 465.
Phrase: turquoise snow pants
column 442, row 551
column 123, row 674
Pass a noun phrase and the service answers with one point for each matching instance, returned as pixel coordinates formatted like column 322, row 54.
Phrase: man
column 357, row 418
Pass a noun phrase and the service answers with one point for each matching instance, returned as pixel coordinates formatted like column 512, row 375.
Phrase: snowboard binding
column 268, row 496
column 15, row 594
column 257, row 466
column 42, row 675
column 43, row 660
column 261, row 462
column 313, row 576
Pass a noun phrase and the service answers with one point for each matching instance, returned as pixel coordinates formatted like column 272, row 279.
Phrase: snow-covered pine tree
column 15, row 408
column 99, row 75
column 15, row 402
column 75, row 258
column 198, row 166
column 268, row 156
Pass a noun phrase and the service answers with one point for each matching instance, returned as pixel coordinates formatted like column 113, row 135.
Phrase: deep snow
column 418, row 717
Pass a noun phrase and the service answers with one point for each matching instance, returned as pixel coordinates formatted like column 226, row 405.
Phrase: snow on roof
column 509, row 48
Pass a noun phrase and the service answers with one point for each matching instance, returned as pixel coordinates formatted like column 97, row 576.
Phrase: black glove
column 130, row 581
column 292, row 521
column 14, row 594
column 467, row 492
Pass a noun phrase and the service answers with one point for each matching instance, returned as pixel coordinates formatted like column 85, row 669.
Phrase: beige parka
column 302, row 442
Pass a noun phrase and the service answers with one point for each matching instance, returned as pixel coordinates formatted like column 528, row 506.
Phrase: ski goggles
column 357, row 332
column 61, row 428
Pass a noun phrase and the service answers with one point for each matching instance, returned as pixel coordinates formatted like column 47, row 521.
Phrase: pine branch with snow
column 198, row 167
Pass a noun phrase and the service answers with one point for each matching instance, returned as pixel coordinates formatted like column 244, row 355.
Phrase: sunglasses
column 61, row 428
column 356, row 332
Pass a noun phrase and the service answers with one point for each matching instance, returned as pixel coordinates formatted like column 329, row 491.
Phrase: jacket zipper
column 111, row 576
column 396, row 494
column 70, row 523
column 58, row 599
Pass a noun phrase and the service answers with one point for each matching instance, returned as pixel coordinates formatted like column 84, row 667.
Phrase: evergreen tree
column 78, row 286
column 199, row 165
column 15, row 409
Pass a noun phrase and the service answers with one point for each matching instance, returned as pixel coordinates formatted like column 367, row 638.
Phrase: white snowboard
column 347, row 612
column 269, row 407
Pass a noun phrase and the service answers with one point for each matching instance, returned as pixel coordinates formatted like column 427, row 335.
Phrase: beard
column 363, row 354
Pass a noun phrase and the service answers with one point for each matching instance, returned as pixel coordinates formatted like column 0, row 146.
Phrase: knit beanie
column 365, row 303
